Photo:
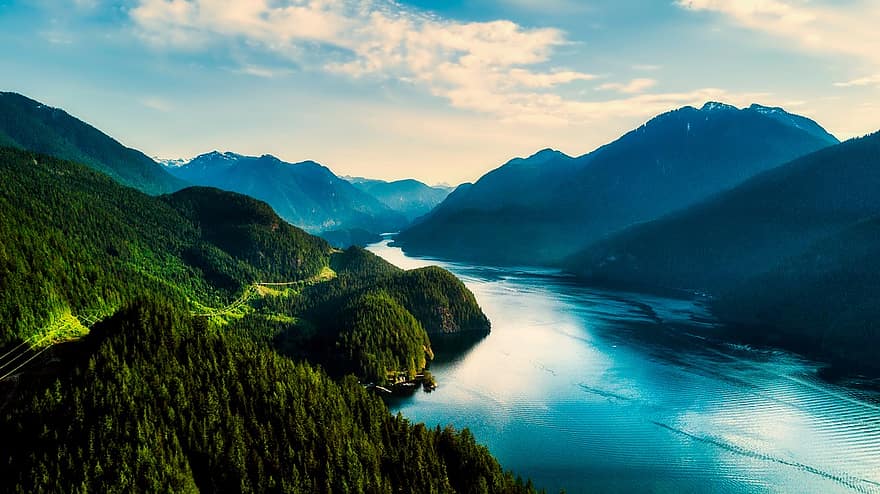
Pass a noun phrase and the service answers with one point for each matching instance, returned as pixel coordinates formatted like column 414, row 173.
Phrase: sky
column 442, row 91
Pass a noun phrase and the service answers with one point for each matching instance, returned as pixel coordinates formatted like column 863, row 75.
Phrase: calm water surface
column 602, row 391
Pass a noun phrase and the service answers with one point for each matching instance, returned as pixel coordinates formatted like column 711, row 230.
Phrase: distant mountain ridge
column 33, row 126
column 544, row 208
column 408, row 197
column 306, row 194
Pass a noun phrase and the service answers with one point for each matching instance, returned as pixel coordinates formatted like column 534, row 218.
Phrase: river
column 594, row 390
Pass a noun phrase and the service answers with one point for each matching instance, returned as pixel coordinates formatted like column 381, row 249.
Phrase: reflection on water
column 602, row 391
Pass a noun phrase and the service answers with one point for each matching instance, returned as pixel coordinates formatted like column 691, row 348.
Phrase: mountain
column 744, row 231
column 78, row 243
column 152, row 402
column 351, row 236
column 544, row 208
column 409, row 197
column 31, row 125
column 171, row 344
column 789, row 256
column 823, row 301
column 306, row 194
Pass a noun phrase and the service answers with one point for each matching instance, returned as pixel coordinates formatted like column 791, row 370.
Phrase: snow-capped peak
column 796, row 121
column 213, row 156
column 767, row 110
column 171, row 162
column 716, row 106
column 217, row 155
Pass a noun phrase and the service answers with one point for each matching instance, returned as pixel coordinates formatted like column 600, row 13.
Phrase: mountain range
column 136, row 307
column 743, row 231
column 306, row 194
column 545, row 207
column 409, row 197
column 761, row 211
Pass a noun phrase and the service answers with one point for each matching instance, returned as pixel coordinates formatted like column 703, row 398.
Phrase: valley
column 601, row 390
column 425, row 247
column 576, row 350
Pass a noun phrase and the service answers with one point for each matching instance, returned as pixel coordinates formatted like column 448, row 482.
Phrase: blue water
column 602, row 391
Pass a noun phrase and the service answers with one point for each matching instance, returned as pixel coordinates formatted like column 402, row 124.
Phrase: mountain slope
column 746, row 230
column 305, row 194
column 76, row 241
column 81, row 245
column 163, row 393
column 152, row 402
column 823, row 301
column 30, row 125
column 409, row 197
column 543, row 208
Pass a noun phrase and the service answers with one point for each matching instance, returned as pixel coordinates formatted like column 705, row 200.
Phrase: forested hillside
column 79, row 245
column 152, row 401
column 197, row 375
column 789, row 256
column 745, row 231
column 372, row 319
column 76, row 242
column 31, row 125
column 823, row 301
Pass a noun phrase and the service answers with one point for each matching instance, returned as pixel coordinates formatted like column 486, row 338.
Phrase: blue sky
column 440, row 91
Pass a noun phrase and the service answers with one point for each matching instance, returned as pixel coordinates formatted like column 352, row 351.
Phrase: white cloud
column 497, row 68
column 634, row 86
column 483, row 66
column 873, row 80
column 527, row 78
column 837, row 28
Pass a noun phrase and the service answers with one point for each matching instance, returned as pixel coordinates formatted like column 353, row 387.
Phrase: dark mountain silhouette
column 823, row 302
column 543, row 208
column 790, row 256
column 745, row 230
column 31, row 125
